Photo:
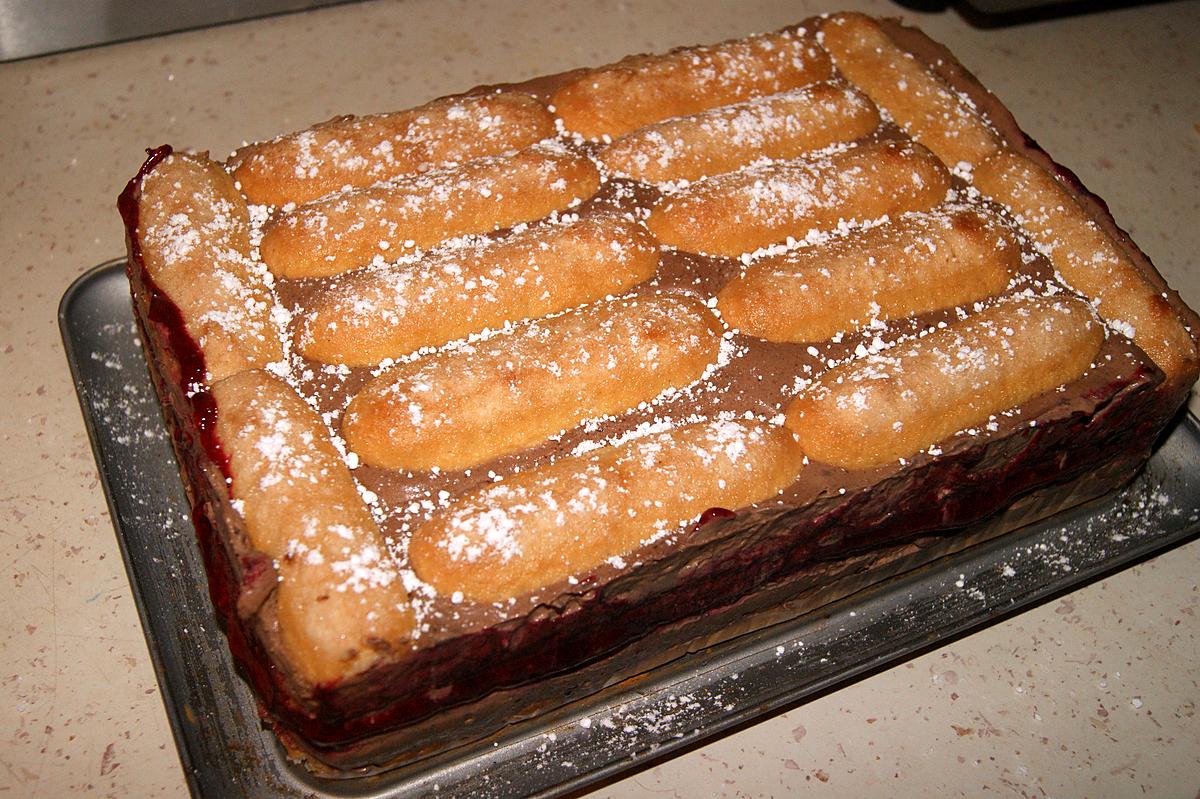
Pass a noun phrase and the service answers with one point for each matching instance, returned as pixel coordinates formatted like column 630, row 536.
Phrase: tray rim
column 283, row 779
column 79, row 286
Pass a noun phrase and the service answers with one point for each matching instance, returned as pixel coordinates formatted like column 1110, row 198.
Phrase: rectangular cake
column 490, row 403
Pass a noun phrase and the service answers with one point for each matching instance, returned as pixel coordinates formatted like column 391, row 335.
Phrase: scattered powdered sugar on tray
column 129, row 410
column 133, row 447
column 1145, row 510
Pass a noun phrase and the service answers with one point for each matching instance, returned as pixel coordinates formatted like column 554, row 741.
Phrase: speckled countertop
column 1093, row 694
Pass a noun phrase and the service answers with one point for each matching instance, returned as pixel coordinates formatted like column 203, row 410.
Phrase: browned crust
column 341, row 604
column 779, row 126
column 348, row 231
column 573, row 515
column 226, row 304
column 917, row 264
column 325, row 158
column 611, row 100
column 369, row 315
column 461, row 407
column 740, row 212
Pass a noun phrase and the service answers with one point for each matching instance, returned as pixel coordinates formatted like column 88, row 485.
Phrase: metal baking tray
column 227, row 752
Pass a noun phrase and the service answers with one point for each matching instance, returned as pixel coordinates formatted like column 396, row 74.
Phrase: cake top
column 474, row 356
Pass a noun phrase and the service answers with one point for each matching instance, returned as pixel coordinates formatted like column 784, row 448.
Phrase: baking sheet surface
column 226, row 752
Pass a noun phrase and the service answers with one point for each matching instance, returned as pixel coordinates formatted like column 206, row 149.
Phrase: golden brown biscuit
column 757, row 206
column 638, row 90
column 779, row 126
column 920, row 262
column 356, row 152
column 541, row 526
column 341, row 603
column 193, row 230
column 348, row 231
column 368, row 315
column 463, row 405
column 916, row 98
column 1089, row 260
column 879, row 408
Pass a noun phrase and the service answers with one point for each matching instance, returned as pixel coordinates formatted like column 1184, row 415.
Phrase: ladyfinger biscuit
column 757, row 206
column 914, row 97
column 544, row 525
column 920, row 262
column 638, row 90
column 887, row 406
column 340, row 600
column 356, row 152
column 720, row 140
column 369, row 315
column 346, row 232
column 1088, row 259
column 193, row 232
column 461, row 406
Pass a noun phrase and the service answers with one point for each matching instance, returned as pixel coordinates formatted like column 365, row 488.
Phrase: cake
column 489, row 403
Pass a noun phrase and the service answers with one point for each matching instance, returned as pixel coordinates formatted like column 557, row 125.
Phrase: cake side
column 585, row 622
